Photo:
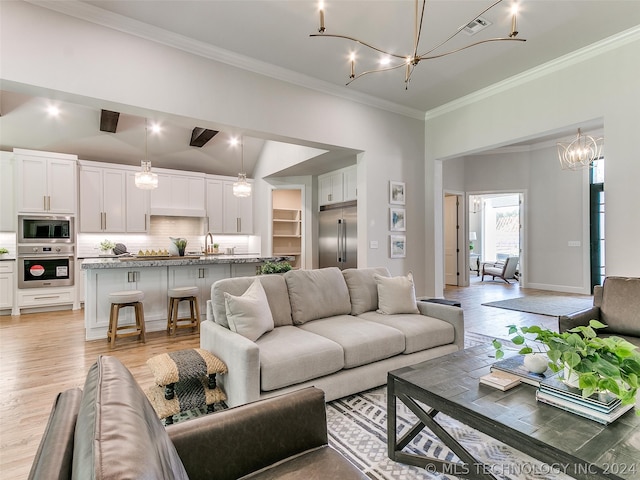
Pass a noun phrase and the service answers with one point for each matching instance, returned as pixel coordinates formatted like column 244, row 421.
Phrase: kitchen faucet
column 208, row 237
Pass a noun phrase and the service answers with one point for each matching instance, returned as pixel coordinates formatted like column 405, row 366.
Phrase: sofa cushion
column 363, row 288
column 289, row 355
column 396, row 294
column 421, row 332
column 362, row 341
column 317, row 294
column 118, row 434
column 249, row 314
column 620, row 305
column 274, row 286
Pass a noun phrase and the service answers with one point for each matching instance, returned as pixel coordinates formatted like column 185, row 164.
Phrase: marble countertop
column 137, row 262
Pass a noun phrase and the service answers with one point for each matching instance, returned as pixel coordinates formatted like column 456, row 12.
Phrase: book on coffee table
column 515, row 366
column 605, row 402
column 583, row 410
column 500, row 380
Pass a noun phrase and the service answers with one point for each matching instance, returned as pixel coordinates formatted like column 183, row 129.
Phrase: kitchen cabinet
column 178, row 194
column 46, row 182
column 102, row 199
column 201, row 276
column 45, row 297
column 237, row 211
column 7, row 284
column 245, row 269
column 137, row 206
column 215, row 195
column 7, row 204
column 100, row 282
column 338, row 186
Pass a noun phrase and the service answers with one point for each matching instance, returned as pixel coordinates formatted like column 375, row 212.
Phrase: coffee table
column 568, row 443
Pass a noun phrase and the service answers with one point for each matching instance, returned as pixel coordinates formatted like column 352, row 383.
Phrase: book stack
column 515, row 366
column 600, row 407
column 500, row 380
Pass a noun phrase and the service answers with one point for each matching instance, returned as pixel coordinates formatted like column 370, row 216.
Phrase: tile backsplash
column 160, row 229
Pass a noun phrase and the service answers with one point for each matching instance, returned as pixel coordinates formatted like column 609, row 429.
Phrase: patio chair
column 505, row 270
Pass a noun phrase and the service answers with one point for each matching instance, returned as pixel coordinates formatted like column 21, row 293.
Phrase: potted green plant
column 597, row 363
column 181, row 244
column 3, row 251
column 106, row 246
column 275, row 267
column 216, row 247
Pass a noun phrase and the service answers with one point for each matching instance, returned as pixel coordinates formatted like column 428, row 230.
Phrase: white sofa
column 322, row 328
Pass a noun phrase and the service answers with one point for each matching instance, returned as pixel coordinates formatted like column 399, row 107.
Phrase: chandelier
column 146, row 179
column 242, row 188
column 411, row 60
column 580, row 153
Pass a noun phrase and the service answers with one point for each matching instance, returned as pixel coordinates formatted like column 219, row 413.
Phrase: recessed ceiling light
column 156, row 128
column 53, row 111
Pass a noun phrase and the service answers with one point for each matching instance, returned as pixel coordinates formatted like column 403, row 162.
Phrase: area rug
column 550, row 305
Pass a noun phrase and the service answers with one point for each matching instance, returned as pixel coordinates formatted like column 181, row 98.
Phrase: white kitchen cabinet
column 338, row 186
column 7, row 284
column 245, row 269
column 101, row 282
column 201, row 276
column 137, row 206
column 215, row 195
column 237, row 211
column 46, row 297
column 178, row 194
column 102, row 199
column 7, row 204
column 46, row 182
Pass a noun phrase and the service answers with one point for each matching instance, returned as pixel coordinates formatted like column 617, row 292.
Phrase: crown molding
column 555, row 65
column 93, row 14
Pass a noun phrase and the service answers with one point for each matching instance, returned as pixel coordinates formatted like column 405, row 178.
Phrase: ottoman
column 185, row 380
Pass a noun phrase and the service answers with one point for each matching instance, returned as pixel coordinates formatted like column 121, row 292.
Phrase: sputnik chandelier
column 410, row 61
column 580, row 153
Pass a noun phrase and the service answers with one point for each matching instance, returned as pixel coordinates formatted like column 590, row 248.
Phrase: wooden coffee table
column 581, row 448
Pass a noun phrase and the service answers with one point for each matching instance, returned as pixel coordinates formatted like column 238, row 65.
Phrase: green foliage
column 180, row 243
column 3, row 251
column 275, row 267
column 107, row 245
column 610, row 363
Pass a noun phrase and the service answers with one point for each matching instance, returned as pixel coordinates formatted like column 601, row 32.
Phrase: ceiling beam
column 200, row 136
column 109, row 121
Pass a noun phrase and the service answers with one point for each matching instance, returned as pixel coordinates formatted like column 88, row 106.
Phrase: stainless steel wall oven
column 45, row 265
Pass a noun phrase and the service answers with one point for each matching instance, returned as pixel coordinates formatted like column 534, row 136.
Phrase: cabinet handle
column 105, row 220
column 238, row 224
column 48, row 297
column 329, row 197
column 145, row 222
column 48, row 202
column 201, row 273
column 131, row 277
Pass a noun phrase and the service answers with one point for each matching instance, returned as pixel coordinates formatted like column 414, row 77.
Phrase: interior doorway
column 495, row 229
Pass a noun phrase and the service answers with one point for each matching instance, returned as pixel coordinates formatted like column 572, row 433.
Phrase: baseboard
column 560, row 288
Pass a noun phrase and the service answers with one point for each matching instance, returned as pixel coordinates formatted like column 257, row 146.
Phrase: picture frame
column 397, row 219
column 397, row 246
column 397, row 193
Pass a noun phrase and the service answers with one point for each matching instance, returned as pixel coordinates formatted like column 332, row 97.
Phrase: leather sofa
column 617, row 304
column 328, row 328
column 109, row 430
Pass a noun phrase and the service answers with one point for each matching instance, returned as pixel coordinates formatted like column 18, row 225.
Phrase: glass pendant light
column 145, row 178
column 242, row 188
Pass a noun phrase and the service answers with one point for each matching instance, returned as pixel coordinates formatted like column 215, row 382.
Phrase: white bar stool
column 177, row 295
column 126, row 298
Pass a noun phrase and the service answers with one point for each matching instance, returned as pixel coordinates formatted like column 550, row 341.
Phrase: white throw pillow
column 396, row 294
column 249, row 314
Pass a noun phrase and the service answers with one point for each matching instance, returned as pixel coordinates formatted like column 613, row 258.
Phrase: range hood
column 177, row 212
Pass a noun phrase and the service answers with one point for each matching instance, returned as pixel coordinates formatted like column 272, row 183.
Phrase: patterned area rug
column 358, row 430
column 552, row 306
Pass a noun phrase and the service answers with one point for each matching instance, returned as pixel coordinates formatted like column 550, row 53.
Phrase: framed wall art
column 398, row 246
column 396, row 193
column 397, row 221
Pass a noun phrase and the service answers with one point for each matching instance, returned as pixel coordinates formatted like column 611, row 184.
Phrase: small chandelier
column 146, row 179
column 411, row 60
column 580, row 153
column 242, row 188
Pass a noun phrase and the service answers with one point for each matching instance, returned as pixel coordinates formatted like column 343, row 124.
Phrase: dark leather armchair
column 109, row 430
column 617, row 304
column 505, row 270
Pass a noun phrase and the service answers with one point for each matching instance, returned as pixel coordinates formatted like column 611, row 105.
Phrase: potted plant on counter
column 3, row 251
column 596, row 364
column 106, row 247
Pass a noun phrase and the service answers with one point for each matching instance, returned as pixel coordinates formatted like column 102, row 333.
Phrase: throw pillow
column 396, row 294
column 249, row 314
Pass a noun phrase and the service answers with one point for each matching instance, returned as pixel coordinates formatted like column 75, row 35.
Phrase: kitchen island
column 154, row 276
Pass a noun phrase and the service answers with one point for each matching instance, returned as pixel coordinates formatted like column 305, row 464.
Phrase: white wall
column 46, row 51
column 595, row 83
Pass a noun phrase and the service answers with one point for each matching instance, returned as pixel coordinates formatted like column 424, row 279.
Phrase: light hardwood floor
column 42, row 354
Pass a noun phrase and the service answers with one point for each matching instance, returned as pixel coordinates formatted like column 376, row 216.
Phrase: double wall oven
column 46, row 251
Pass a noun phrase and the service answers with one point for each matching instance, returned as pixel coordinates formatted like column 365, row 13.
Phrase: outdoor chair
column 505, row 270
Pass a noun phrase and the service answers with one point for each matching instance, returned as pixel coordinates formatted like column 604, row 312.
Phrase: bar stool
column 126, row 298
column 177, row 295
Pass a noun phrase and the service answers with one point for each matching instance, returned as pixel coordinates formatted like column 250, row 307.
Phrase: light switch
column 373, row 244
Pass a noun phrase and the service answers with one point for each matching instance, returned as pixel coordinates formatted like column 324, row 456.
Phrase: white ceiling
column 272, row 37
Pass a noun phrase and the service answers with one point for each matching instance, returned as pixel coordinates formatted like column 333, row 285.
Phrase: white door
column 451, row 240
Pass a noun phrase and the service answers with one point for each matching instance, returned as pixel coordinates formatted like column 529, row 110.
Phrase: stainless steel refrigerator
column 338, row 236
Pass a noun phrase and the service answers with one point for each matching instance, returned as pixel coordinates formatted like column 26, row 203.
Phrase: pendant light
column 145, row 178
column 242, row 188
